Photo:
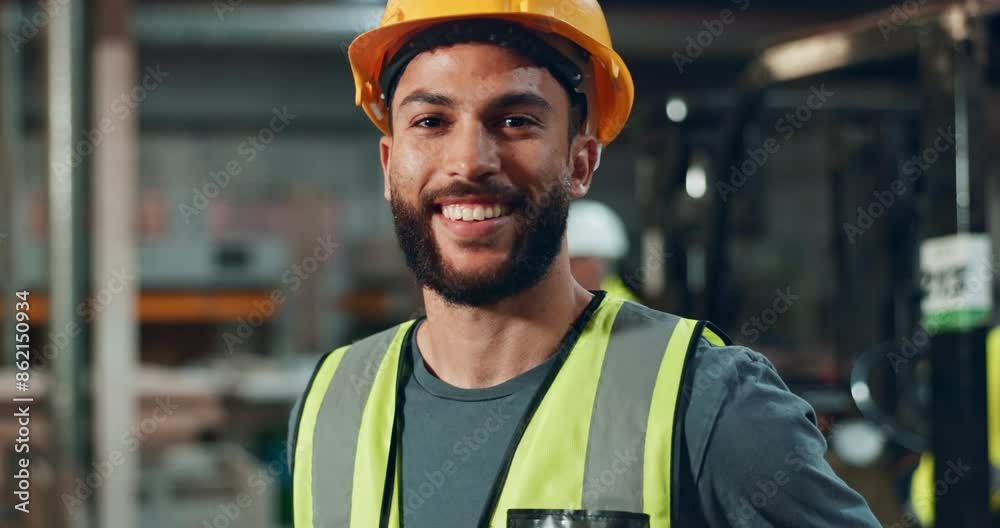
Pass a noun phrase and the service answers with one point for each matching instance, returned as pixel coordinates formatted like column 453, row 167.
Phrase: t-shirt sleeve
column 757, row 452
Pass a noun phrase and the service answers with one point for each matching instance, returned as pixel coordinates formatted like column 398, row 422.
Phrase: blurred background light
column 677, row 109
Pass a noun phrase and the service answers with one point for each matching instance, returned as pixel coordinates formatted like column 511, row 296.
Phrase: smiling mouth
column 479, row 212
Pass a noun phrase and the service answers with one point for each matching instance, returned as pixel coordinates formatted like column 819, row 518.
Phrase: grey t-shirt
column 751, row 453
column 454, row 441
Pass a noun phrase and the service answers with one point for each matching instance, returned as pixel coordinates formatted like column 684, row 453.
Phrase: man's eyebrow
column 504, row 101
column 425, row 97
column 519, row 99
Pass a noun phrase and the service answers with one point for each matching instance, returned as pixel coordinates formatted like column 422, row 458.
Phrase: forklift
column 932, row 387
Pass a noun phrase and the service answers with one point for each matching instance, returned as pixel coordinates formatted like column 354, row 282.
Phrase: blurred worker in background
column 522, row 398
column 597, row 242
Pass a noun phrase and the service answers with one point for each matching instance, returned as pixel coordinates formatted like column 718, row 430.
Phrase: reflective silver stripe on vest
column 612, row 478
column 337, row 427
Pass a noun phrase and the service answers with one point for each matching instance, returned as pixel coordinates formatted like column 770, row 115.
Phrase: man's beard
column 538, row 241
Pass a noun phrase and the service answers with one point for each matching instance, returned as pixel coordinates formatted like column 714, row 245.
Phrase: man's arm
column 756, row 453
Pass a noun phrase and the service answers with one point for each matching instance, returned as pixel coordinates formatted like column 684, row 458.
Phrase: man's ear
column 385, row 151
column 584, row 159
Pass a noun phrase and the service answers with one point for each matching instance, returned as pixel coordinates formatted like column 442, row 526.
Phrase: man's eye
column 516, row 121
column 429, row 122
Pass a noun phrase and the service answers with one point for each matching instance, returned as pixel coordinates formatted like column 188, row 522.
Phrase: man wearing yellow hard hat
column 522, row 398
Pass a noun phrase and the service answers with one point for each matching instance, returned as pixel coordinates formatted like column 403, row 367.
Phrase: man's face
column 480, row 171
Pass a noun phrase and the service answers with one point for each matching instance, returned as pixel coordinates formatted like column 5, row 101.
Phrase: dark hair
column 501, row 33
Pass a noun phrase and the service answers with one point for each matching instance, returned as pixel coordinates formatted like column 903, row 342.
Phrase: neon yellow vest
column 615, row 286
column 626, row 353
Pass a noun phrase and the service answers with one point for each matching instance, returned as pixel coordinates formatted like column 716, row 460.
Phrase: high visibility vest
column 611, row 406
column 924, row 489
column 614, row 285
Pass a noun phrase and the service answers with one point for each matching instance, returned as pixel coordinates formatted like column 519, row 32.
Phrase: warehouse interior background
column 195, row 205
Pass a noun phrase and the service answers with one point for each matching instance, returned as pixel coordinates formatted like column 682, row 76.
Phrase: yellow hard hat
column 580, row 21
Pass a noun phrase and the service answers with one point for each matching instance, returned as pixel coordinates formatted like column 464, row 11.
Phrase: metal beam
column 10, row 107
column 956, row 205
column 66, row 174
column 116, row 331
column 639, row 32
column 879, row 35
column 252, row 25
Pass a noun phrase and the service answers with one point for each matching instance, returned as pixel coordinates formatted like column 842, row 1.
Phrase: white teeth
column 472, row 213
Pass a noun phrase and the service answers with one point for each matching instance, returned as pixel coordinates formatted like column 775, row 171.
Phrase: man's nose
column 473, row 152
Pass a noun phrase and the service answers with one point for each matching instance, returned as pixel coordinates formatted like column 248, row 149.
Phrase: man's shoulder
column 638, row 311
column 381, row 337
column 376, row 342
column 361, row 356
column 721, row 379
column 718, row 367
column 357, row 362
column 713, row 374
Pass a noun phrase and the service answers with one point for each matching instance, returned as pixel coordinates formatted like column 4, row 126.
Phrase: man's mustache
column 506, row 195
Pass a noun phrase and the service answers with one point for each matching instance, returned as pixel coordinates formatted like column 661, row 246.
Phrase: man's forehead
column 471, row 62
column 460, row 50
column 473, row 71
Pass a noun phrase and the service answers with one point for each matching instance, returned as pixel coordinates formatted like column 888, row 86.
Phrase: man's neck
column 485, row 346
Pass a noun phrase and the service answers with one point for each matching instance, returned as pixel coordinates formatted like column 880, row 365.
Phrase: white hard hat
column 594, row 230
